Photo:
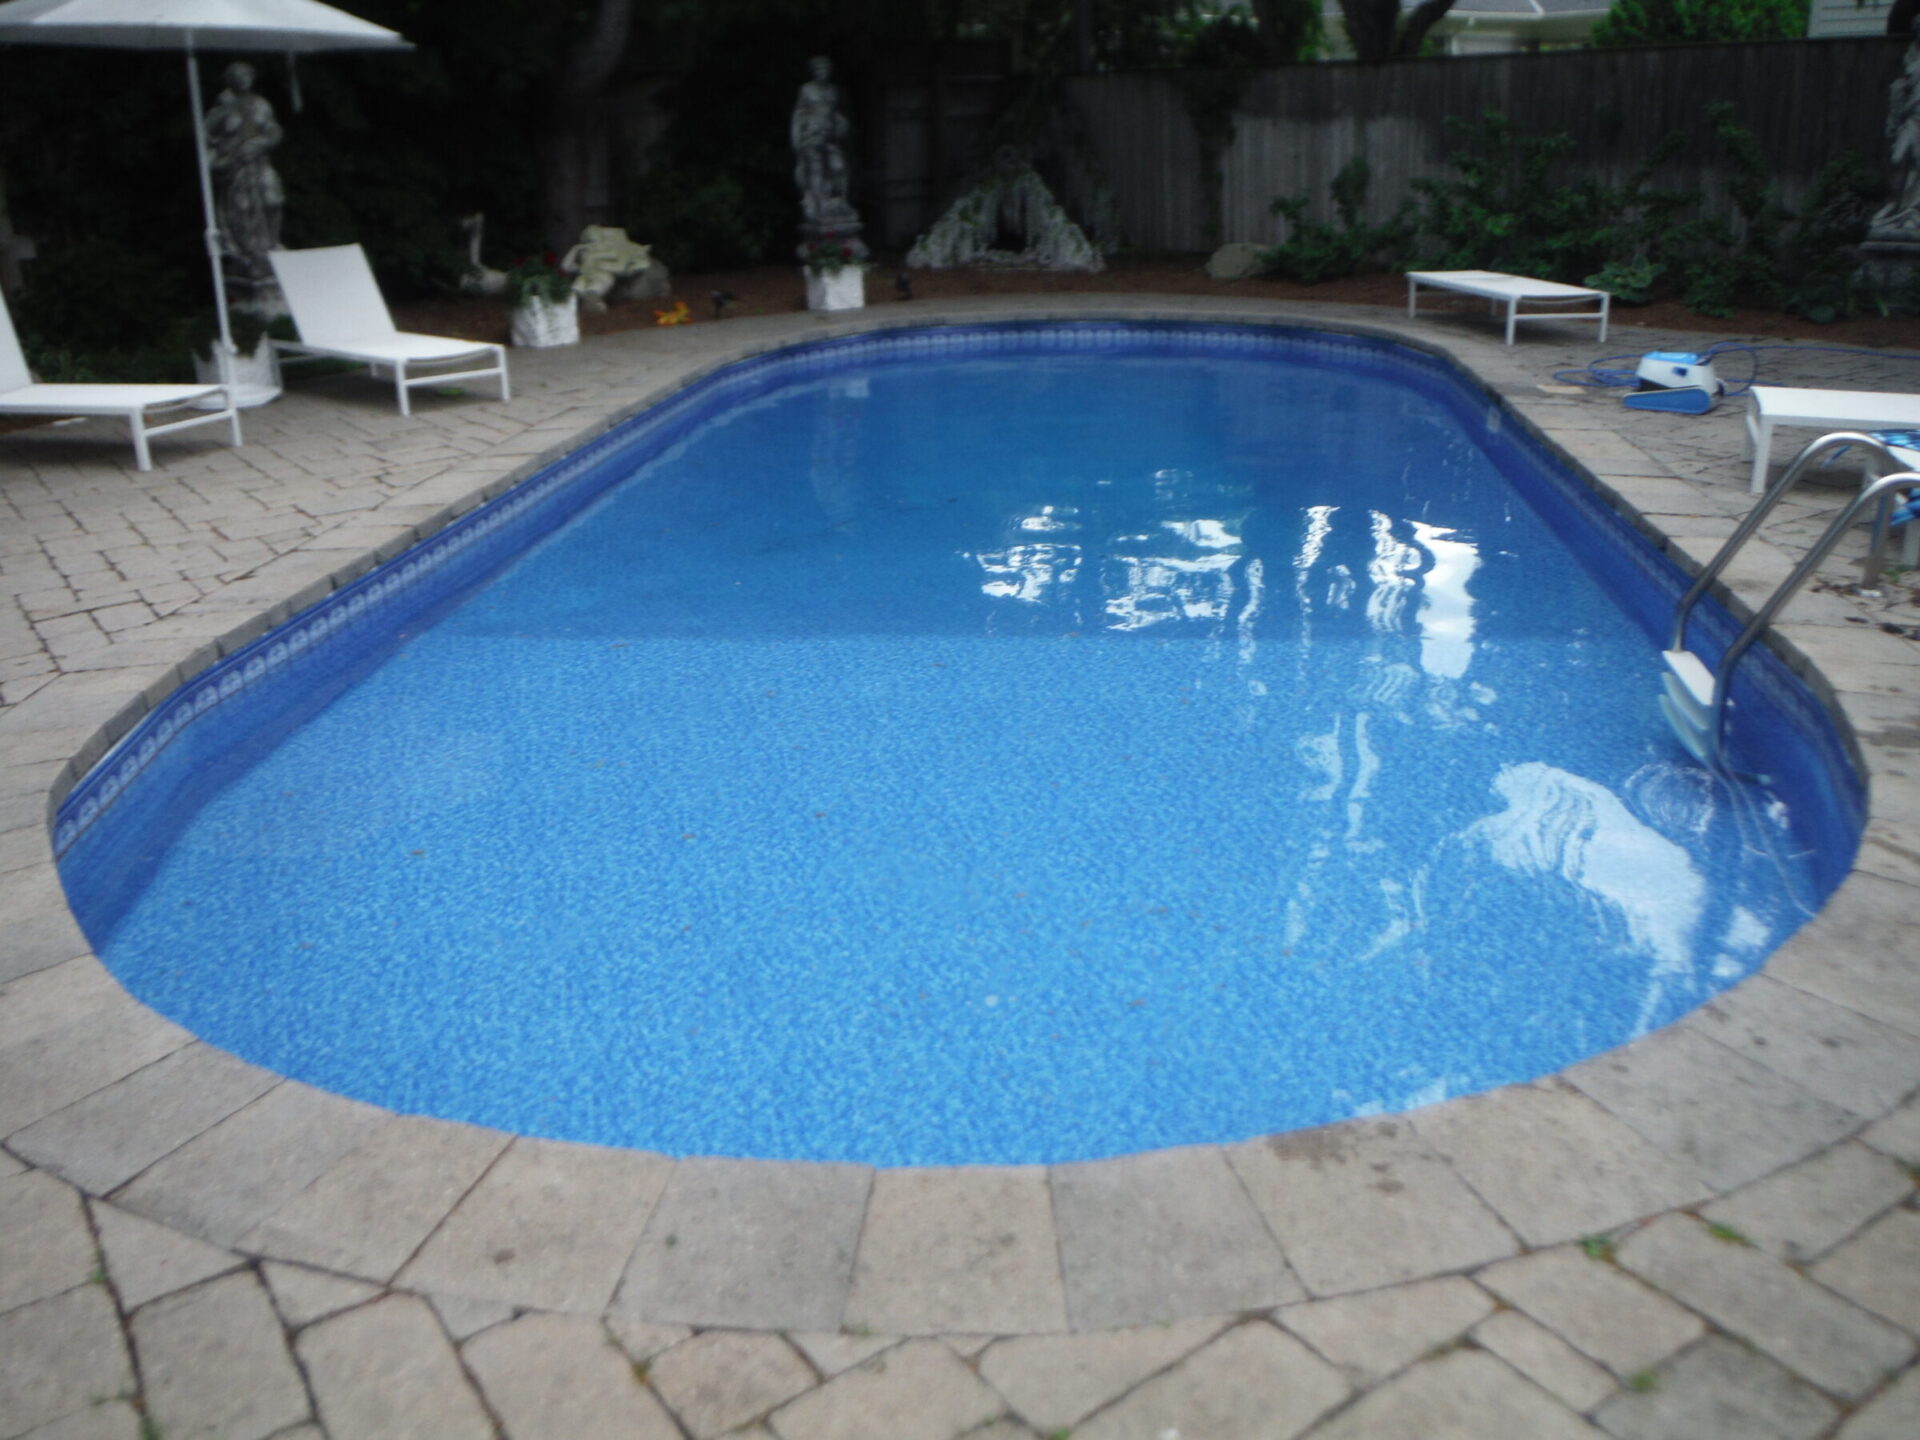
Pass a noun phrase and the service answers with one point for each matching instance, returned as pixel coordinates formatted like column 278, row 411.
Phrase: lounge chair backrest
column 331, row 294
column 13, row 364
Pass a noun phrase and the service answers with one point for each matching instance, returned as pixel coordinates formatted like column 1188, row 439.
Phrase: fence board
column 1805, row 101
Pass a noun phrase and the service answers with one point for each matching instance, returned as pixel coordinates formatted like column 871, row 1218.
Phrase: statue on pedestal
column 241, row 135
column 828, row 222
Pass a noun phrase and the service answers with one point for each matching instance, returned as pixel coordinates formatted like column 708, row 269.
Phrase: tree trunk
column 572, row 113
column 1376, row 31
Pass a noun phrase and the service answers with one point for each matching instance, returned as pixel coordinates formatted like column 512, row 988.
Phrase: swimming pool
column 1178, row 787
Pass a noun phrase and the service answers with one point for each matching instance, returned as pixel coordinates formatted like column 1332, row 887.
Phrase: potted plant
column 836, row 273
column 545, row 309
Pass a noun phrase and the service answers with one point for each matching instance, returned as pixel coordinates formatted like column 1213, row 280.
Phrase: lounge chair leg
column 141, row 456
column 500, row 357
column 400, row 386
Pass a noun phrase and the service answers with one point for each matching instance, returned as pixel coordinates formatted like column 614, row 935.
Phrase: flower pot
column 842, row 289
column 540, row 323
column 256, row 377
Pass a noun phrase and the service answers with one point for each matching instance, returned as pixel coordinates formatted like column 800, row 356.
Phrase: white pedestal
column 842, row 289
column 256, row 377
column 539, row 324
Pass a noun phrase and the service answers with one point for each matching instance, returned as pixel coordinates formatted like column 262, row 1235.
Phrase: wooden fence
column 1806, row 101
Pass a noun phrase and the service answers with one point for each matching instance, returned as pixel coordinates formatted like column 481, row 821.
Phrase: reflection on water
column 1567, row 828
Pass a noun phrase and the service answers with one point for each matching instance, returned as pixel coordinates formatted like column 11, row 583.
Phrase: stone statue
column 606, row 258
column 241, row 134
column 819, row 163
column 1899, row 218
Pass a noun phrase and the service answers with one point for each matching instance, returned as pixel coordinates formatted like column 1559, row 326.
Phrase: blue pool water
column 1018, row 750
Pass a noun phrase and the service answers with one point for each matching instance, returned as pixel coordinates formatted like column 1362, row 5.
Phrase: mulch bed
column 778, row 290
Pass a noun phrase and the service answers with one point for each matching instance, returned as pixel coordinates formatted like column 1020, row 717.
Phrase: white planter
column 842, row 289
column 541, row 323
column 256, row 377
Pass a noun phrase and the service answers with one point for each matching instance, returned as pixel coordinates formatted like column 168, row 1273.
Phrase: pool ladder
column 1695, row 702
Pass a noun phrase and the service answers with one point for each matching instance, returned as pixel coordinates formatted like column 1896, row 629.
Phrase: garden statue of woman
column 1899, row 218
column 241, row 133
column 819, row 162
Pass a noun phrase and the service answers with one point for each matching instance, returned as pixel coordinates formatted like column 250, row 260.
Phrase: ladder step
column 1687, row 729
column 1690, row 683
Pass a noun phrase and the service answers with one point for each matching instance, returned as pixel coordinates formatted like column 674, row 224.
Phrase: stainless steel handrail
column 1835, row 443
column 1869, row 494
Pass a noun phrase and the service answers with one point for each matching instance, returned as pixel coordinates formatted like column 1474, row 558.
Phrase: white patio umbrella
column 284, row 26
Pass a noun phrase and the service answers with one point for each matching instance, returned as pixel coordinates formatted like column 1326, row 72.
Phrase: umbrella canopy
column 286, row 26
column 289, row 26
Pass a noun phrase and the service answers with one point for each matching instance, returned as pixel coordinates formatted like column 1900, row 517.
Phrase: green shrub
column 701, row 222
column 1315, row 250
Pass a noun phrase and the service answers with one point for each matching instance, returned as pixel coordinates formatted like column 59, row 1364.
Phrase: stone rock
column 1237, row 260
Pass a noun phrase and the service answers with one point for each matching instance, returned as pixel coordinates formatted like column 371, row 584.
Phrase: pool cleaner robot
column 1677, row 381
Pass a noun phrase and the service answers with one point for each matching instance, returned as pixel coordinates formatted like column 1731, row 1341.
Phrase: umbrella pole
column 224, row 350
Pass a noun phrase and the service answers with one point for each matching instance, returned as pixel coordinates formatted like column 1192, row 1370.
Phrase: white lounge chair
column 341, row 315
column 1499, row 289
column 1771, row 406
column 138, row 405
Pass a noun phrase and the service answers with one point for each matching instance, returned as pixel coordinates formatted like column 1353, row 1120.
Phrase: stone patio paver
column 45, row 1245
column 1553, row 1164
column 368, row 1214
column 104, row 1140
column 830, row 1353
column 1897, row 1133
column 145, row 1260
column 59, row 1355
column 303, row 1296
column 54, row 1069
column 107, row 1420
column 464, row 1317
column 1365, row 1204
column 1893, row 1414
column 1374, row 1335
column 279, row 1143
column 1880, row 1269
column 1729, row 1117
column 386, row 1371
column 724, row 1379
column 1844, row 1057
column 551, row 1225
column 1801, row 1212
column 917, row 1391
column 213, row 1362
column 737, row 1244
column 1600, row 1309
column 1197, row 1245
column 1253, row 1383
column 1719, row 1387
column 559, row 1377
column 1544, row 1358
column 1855, row 952
column 217, row 542
column 1055, row 1381
column 963, row 1250
column 1812, row 1331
